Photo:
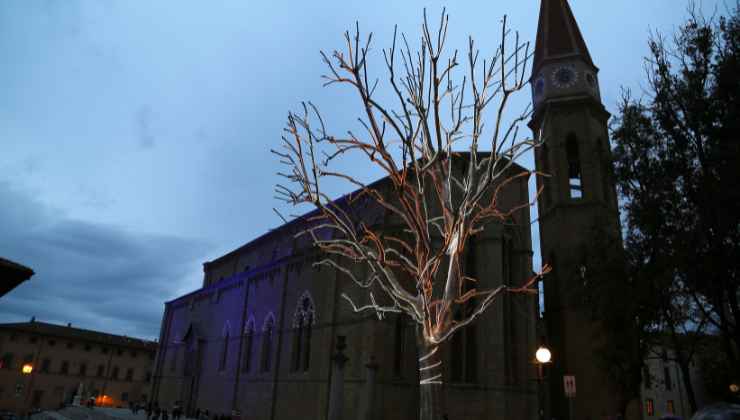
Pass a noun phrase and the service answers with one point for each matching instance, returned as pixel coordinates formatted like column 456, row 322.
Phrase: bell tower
column 578, row 196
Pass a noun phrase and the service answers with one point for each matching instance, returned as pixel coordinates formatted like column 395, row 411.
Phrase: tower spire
column 558, row 35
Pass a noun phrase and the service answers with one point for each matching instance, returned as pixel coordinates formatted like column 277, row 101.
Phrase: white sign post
column 569, row 385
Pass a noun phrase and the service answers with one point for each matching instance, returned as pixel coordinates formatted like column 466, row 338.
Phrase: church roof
column 558, row 34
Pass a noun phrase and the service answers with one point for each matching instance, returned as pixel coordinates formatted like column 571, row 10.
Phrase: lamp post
column 543, row 356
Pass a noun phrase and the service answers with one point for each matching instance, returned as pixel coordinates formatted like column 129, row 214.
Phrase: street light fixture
column 543, row 355
column 27, row 369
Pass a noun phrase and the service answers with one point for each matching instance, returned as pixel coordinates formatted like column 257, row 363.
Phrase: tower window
column 575, row 178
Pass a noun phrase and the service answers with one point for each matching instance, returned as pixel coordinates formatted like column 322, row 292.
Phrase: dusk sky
column 135, row 136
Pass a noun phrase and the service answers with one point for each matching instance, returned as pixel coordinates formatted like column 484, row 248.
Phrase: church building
column 263, row 334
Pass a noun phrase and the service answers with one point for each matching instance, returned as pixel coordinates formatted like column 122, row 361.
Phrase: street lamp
column 543, row 355
column 27, row 369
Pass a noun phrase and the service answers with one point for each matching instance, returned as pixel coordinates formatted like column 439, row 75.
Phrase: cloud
column 95, row 276
column 143, row 127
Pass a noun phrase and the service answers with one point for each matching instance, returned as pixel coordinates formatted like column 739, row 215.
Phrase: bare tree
column 442, row 190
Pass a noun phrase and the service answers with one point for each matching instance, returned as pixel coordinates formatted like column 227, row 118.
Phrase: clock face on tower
column 564, row 77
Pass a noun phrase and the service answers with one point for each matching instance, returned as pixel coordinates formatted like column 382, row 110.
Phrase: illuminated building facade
column 45, row 365
column 259, row 336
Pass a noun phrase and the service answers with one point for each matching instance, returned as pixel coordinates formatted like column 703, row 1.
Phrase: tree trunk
column 686, row 373
column 431, row 381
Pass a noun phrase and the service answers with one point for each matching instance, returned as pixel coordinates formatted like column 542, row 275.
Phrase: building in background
column 663, row 387
column 11, row 275
column 45, row 365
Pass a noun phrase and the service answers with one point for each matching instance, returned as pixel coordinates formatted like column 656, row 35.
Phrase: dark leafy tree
column 677, row 167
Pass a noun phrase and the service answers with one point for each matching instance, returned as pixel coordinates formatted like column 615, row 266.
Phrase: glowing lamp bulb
column 734, row 388
column 543, row 355
column 27, row 368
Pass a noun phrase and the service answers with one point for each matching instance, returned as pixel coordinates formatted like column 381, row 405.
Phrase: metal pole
column 570, row 408
column 540, row 391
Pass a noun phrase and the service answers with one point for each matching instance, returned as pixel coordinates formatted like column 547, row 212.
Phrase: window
column 13, row 337
column 148, row 378
column 575, row 180
column 545, row 158
column 28, row 359
column 463, row 345
column 114, row 374
column 134, row 354
column 88, row 347
column 104, row 350
column 649, row 408
column 65, row 368
column 173, row 360
column 33, row 340
column 70, row 345
column 101, row 371
column 267, row 331
column 52, row 343
column 400, row 346
column 248, row 345
column 667, row 378
column 119, row 352
column 224, row 353
column 303, row 318
column 83, row 369
column 669, row 407
column 7, row 361
column 45, row 365
column 124, row 396
column 130, row 374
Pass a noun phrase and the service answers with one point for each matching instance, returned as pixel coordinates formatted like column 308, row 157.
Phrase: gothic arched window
column 400, row 346
column 248, row 344
column 268, row 329
column 224, row 348
column 575, row 177
column 463, row 344
column 303, row 320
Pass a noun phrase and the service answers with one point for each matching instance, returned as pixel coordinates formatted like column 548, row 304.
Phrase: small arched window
column 248, row 345
column 575, row 177
column 303, row 320
column 268, row 329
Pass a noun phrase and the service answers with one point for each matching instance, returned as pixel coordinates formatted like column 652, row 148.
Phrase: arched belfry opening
column 575, row 175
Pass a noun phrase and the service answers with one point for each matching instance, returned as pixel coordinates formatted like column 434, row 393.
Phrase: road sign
column 569, row 384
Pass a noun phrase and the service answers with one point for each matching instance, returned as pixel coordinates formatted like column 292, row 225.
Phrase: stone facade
column 115, row 369
column 259, row 335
